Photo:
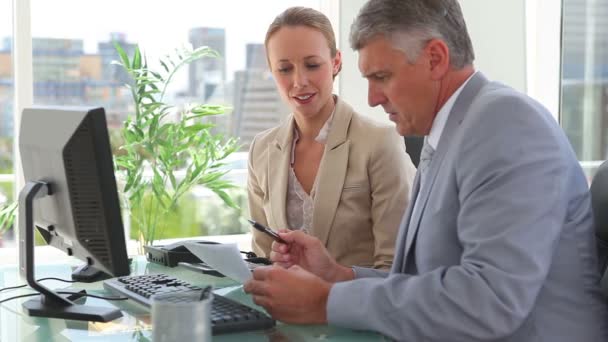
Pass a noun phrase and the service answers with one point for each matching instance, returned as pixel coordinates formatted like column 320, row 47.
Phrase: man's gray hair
column 410, row 24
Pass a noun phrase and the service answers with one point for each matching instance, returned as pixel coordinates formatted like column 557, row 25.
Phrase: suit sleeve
column 260, row 244
column 365, row 272
column 511, row 176
column 391, row 175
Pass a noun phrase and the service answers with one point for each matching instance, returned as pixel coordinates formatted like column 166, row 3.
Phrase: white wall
column 352, row 87
column 498, row 32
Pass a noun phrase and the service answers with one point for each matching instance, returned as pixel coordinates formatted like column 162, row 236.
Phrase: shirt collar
column 321, row 137
column 442, row 116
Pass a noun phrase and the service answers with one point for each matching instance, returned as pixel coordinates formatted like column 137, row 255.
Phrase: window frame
column 543, row 40
column 23, row 80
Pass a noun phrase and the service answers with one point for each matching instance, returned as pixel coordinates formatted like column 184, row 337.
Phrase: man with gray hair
column 498, row 241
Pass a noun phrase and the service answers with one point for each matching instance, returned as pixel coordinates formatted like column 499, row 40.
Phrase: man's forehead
column 369, row 70
column 374, row 58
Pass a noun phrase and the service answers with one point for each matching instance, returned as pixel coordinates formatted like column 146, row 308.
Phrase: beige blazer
column 363, row 187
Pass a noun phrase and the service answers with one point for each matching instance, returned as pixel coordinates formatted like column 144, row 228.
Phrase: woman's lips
column 299, row 99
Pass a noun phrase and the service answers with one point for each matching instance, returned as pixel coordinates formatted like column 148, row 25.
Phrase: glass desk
column 135, row 325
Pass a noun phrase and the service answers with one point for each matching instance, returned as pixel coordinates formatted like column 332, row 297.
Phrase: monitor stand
column 49, row 304
column 88, row 274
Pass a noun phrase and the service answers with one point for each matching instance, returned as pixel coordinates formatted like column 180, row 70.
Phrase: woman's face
column 303, row 69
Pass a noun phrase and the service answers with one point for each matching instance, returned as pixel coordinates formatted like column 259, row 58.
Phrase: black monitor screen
column 69, row 149
column 70, row 198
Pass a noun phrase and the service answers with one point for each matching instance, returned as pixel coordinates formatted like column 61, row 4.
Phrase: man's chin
column 403, row 131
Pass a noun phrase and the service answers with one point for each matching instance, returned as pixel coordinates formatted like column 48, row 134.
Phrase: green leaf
column 130, row 136
column 122, row 54
column 7, row 216
column 197, row 171
column 211, row 177
column 158, row 77
column 138, row 178
column 158, row 187
column 135, row 198
column 178, row 54
column 164, row 65
column 150, row 108
column 136, row 58
column 153, row 126
column 158, row 179
column 196, row 128
column 206, row 110
column 139, row 133
column 224, row 196
column 128, row 184
column 172, row 179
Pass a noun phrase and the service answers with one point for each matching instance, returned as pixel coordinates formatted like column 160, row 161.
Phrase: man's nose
column 375, row 96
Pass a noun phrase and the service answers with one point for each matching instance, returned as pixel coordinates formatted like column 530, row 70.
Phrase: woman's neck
column 309, row 127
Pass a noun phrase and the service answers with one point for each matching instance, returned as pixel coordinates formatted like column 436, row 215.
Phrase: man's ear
column 438, row 58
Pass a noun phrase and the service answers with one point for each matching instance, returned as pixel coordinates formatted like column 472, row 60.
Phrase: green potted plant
column 166, row 149
column 7, row 217
column 9, row 207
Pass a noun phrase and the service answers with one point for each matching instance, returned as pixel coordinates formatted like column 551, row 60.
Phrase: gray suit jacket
column 503, row 248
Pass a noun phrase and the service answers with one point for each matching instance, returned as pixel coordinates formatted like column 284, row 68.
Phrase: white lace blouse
column 299, row 206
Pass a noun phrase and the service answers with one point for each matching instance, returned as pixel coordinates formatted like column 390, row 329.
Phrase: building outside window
column 72, row 47
column 584, row 84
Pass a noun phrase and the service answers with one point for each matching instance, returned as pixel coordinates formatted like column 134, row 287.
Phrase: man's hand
column 309, row 253
column 290, row 295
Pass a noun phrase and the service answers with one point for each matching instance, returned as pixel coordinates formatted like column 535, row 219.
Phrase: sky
column 157, row 25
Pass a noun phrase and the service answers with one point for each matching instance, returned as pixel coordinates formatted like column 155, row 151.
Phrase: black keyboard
column 226, row 315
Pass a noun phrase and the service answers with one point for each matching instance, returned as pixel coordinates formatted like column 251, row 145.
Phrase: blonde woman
column 327, row 170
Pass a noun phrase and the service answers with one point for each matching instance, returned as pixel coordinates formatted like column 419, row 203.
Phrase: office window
column 6, row 115
column 584, row 99
column 72, row 54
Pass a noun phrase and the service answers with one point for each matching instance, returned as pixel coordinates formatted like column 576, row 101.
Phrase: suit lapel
column 332, row 173
column 279, row 153
column 455, row 118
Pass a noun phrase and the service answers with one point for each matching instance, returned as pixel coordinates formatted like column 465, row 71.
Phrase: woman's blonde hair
column 304, row 16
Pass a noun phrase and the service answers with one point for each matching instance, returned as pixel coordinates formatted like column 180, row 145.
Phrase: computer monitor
column 70, row 197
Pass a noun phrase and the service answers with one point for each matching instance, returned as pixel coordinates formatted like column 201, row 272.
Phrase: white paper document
column 225, row 258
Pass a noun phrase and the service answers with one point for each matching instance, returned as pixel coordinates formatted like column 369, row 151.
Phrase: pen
column 267, row 231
